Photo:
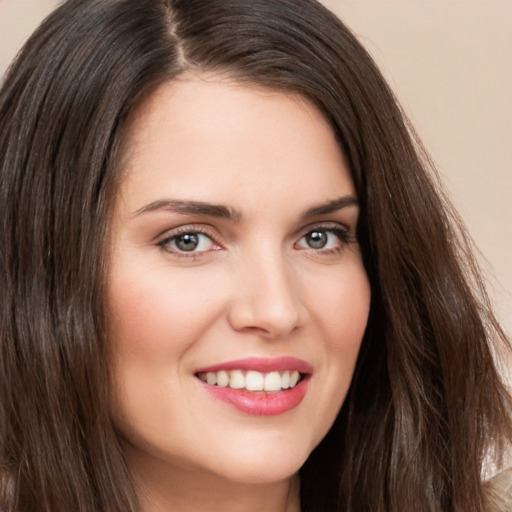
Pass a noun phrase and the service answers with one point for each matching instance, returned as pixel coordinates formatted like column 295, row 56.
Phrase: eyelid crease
column 185, row 229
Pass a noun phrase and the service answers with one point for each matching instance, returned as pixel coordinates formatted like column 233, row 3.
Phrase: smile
column 258, row 386
column 252, row 380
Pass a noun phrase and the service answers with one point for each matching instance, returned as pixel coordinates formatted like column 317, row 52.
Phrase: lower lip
column 260, row 403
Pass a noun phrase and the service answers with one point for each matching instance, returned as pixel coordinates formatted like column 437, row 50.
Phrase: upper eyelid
column 184, row 229
column 328, row 225
column 325, row 224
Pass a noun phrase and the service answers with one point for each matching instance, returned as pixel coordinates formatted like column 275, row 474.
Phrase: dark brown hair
column 426, row 405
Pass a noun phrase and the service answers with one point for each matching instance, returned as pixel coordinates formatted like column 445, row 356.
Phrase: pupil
column 317, row 239
column 187, row 242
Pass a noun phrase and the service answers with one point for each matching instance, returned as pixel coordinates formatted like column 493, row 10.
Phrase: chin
column 262, row 461
column 264, row 472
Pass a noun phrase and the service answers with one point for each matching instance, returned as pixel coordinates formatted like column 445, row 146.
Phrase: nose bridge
column 267, row 300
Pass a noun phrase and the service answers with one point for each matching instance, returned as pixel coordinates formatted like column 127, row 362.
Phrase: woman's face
column 234, row 268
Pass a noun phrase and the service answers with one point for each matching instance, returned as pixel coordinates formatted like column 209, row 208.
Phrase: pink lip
column 261, row 403
column 261, row 364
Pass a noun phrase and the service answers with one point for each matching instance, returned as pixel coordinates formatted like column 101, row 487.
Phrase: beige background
column 449, row 62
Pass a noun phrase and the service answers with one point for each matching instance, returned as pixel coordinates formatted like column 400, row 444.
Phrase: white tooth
column 211, row 378
column 285, row 380
column 237, row 380
column 272, row 381
column 253, row 381
column 294, row 378
column 222, row 379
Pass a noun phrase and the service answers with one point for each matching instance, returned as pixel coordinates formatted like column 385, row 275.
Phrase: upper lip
column 261, row 364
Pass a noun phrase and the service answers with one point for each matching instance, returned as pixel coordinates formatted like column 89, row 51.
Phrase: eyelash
column 342, row 234
column 180, row 232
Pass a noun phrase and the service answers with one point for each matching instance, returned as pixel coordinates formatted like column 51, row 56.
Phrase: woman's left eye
column 324, row 239
column 188, row 242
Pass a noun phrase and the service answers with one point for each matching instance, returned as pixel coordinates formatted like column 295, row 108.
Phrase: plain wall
column 449, row 64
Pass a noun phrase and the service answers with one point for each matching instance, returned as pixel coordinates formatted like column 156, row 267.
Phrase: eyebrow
column 330, row 207
column 191, row 207
column 224, row 212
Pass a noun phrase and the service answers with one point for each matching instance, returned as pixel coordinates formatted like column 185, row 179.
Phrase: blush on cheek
column 151, row 314
column 344, row 309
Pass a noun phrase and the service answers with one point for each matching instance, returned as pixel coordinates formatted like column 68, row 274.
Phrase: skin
column 253, row 287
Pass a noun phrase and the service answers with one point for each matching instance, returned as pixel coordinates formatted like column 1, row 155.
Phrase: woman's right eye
column 192, row 242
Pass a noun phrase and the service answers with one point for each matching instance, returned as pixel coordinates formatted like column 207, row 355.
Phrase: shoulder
column 499, row 492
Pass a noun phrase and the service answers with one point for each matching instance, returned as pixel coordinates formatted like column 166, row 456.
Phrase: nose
column 266, row 301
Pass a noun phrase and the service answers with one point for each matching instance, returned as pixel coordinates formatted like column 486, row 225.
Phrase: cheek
column 341, row 311
column 340, row 304
column 156, row 319
column 156, row 314
column 345, row 322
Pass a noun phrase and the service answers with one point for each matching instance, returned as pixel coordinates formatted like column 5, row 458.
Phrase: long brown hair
column 426, row 405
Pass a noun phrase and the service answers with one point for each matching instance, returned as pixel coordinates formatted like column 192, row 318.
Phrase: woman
column 228, row 281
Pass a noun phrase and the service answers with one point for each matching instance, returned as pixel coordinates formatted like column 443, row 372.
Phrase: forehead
column 219, row 140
